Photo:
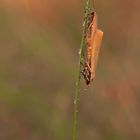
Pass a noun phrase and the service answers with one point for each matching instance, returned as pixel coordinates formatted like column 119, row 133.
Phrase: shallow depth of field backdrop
column 39, row 42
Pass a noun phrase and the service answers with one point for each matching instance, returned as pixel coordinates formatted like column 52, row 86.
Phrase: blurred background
column 39, row 43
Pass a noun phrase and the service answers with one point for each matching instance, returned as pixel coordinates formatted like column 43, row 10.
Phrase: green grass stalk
column 77, row 91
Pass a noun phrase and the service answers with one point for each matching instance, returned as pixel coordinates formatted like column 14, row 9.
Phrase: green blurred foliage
column 39, row 42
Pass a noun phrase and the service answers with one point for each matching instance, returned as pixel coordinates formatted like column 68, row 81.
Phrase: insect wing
column 96, row 42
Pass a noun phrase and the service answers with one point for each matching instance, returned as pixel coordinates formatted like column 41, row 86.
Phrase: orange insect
column 93, row 39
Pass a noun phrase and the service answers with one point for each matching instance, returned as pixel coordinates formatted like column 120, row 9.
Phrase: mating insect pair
column 93, row 39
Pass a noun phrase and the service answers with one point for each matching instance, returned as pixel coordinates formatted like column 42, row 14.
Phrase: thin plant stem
column 77, row 91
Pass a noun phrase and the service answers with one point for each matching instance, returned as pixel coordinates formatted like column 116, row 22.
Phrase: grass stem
column 76, row 96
